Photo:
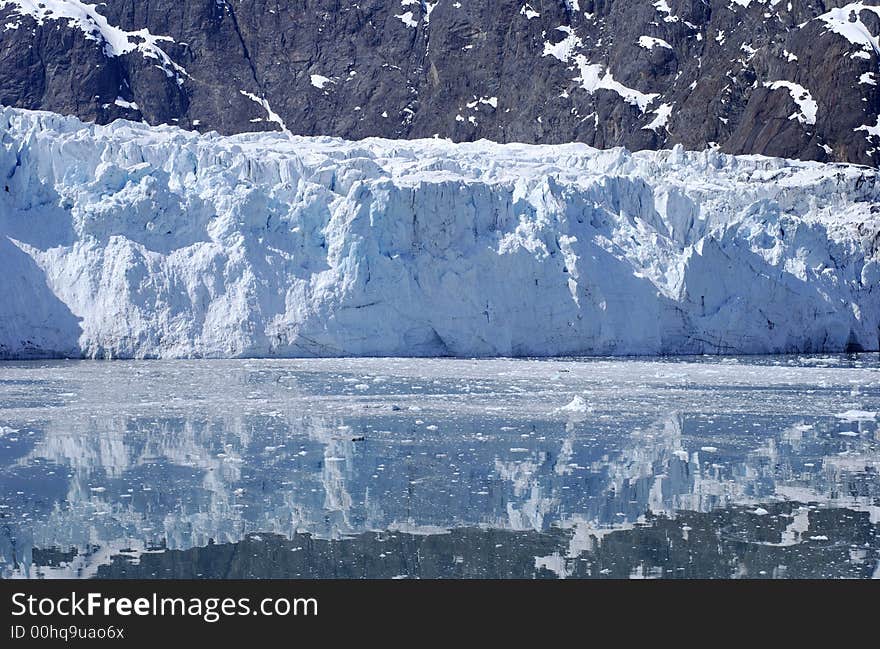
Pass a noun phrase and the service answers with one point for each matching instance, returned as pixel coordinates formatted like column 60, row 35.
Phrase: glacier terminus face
column 130, row 241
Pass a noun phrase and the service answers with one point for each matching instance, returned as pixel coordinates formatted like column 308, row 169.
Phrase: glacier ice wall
column 134, row 241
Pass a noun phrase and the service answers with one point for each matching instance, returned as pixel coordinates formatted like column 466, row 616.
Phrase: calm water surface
column 746, row 467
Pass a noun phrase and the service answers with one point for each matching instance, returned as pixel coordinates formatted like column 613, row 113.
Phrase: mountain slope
column 789, row 79
column 135, row 241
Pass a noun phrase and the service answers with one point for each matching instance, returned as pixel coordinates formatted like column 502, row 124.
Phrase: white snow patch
column 807, row 106
column 593, row 76
column 272, row 116
column 663, row 7
column 650, row 42
column 85, row 17
column 663, row 113
column 846, row 21
column 122, row 103
column 429, row 8
column 528, row 12
column 872, row 131
column 408, row 19
column 486, row 101
column 319, row 81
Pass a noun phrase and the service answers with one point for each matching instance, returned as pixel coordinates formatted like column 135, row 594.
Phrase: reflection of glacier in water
column 103, row 460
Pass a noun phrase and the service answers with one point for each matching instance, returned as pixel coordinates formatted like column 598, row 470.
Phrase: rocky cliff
column 794, row 79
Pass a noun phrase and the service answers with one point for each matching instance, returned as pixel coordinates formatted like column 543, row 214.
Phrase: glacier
column 131, row 241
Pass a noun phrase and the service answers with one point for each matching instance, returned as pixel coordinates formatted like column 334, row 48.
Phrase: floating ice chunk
column 576, row 405
column 857, row 415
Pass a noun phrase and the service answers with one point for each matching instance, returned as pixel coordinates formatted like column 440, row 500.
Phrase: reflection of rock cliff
column 727, row 543
column 183, row 482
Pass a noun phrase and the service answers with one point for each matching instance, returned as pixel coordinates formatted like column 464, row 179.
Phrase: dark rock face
column 790, row 79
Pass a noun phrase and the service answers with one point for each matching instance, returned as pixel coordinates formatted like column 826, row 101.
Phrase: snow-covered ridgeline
column 132, row 241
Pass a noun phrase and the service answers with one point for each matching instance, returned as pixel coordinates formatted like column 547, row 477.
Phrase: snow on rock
column 807, row 106
column 847, row 22
column 663, row 7
column 407, row 19
column 135, row 241
column 122, row 103
column 663, row 113
column 593, row 76
column 271, row 115
column 872, row 131
column 650, row 42
column 319, row 81
column 528, row 12
column 85, row 17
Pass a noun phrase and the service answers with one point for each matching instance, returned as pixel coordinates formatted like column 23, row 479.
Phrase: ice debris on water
column 576, row 405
